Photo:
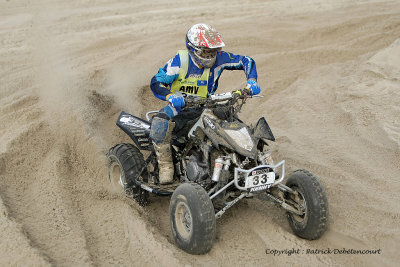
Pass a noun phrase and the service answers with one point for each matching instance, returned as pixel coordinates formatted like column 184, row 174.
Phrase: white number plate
column 259, row 180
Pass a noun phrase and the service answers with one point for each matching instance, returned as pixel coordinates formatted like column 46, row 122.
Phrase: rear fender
column 137, row 129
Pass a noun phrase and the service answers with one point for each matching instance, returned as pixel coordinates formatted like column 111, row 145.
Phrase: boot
column 164, row 157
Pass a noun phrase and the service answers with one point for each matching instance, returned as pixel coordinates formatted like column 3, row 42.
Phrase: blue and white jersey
column 162, row 81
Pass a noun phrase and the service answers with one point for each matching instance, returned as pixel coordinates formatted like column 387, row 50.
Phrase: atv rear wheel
column 125, row 162
column 192, row 218
column 310, row 197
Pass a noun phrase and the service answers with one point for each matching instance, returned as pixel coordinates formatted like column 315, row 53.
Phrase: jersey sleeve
column 239, row 62
column 161, row 82
column 229, row 61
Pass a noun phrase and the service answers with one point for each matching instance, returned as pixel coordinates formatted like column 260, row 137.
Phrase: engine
column 196, row 170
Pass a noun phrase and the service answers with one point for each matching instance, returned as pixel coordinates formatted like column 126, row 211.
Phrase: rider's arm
column 164, row 78
column 230, row 61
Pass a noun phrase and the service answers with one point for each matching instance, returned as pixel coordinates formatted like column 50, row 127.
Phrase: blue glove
column 176, row 101
column 254, row 87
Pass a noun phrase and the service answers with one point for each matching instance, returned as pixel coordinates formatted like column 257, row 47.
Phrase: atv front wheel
column 310, row 198
column 192, row 218
column 125, row 161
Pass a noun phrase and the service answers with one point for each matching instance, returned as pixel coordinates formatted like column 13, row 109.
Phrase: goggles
column 207, row 53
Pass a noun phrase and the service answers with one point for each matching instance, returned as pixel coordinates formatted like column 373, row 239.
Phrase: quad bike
column 218, row 160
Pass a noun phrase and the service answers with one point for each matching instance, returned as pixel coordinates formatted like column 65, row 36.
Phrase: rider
column 194, row 71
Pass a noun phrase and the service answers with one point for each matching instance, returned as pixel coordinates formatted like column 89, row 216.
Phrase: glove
column 176, row 101
column 253, row 86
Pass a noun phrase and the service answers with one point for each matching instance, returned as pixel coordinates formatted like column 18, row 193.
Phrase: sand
column 330, row 74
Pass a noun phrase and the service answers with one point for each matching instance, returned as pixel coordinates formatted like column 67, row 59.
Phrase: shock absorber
column 221, row 163
column 221, row 177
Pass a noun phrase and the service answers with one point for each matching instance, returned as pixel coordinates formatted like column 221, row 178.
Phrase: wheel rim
column 183, row 220
column 301, row 201
column 117, row 178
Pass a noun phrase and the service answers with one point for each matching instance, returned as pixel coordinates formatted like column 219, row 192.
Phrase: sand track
column 329, row 69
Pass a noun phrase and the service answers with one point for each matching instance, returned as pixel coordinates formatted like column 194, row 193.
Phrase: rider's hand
column 253, row 86
column 176, row 101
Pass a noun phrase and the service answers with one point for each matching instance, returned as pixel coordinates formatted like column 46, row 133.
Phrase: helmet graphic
column 203, row 42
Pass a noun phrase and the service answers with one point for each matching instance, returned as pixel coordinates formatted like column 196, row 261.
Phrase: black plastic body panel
column 137, row 129
column 262, row 130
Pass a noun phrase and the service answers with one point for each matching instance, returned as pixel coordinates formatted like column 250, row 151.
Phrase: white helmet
column 203, row 43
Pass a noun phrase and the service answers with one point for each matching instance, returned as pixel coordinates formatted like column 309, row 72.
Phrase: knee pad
column 159, row 127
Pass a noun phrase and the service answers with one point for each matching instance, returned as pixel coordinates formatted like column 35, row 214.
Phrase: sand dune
column 330, row 74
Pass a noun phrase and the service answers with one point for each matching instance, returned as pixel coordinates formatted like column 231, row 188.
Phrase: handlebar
column 225, row 99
